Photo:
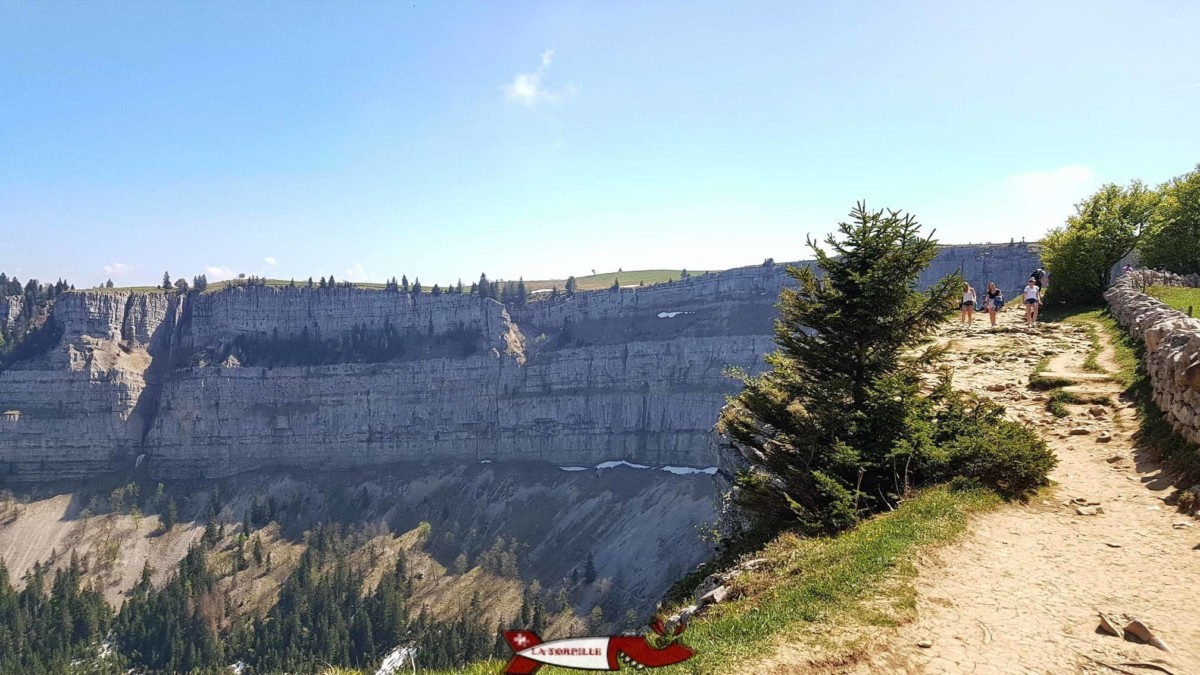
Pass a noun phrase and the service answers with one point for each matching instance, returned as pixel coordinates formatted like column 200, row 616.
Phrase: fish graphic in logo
column 591, row 653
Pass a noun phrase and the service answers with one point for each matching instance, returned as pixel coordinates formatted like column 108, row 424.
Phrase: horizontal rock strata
column 632, row 374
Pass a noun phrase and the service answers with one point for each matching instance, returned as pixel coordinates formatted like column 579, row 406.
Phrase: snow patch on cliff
column 688, row 470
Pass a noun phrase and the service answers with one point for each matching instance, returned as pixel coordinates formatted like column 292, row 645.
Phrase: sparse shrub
column 1002, row 455
column 110, row 552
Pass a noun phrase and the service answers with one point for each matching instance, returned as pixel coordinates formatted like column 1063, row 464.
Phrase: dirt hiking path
column 1021, row 593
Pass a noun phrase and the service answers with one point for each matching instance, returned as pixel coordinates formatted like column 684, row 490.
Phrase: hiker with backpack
column 1042, row 278
column 993, row 302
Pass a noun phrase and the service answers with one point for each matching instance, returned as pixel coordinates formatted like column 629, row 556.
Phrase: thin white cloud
column 118, row 269
column 528, row 89
column 219, row 272
column 1046, row 198
column 356, row 273
column 1184, row 86
column 1022, row 205
column 270, row 260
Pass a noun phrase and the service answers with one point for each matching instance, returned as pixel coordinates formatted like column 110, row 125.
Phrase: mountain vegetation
column 326, row 613
column 33, row 331
column 840, row 427
column 1161, row 225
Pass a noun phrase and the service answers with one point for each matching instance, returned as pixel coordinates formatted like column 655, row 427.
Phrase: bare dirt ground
column 1022, row 593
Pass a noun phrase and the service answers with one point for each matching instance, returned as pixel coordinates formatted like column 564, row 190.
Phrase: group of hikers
column 993, row 301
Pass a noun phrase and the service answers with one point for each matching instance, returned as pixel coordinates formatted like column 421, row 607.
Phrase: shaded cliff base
column 466, row 528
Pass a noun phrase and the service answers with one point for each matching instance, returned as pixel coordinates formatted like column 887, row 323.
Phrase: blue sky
column 444, row 139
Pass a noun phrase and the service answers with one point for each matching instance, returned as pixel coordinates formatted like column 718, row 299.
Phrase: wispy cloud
column 528, row 89
column 219, row 272
column 118, row 269
column 270, row 260
column 356, row 273
column 1184, row 86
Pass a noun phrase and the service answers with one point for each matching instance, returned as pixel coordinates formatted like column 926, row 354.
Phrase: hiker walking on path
column 993, row 302
column 1033, row 297
column 967, row 306
column 1042, row 278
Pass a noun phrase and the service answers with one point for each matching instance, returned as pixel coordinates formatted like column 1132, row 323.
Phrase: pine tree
column 323, row 284
column 166, row 282
column 837, row 399
column 169, row 516
column 589, row 570
column 571, row 285
column 616, row 285
column 404, row 283
column 416, row 287
column 522, row 294
column 108, row 284
column 310, row 282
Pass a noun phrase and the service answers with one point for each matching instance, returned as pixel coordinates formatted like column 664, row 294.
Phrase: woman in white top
column 1032, row 299
column 967, row 307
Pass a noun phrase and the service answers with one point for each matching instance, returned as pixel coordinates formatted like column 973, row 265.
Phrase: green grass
column 1154, row 431
column 605, row 280
column 1039, row 382
column 809, row 584
column 1180, row 298
column 1058, row 401
column 1126, row 357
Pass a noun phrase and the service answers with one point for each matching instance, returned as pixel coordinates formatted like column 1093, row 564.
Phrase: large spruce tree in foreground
column 830, row 428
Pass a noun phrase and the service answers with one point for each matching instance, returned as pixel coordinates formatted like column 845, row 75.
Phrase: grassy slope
column 605, row 280
column 812, row 583
column 1177, row 297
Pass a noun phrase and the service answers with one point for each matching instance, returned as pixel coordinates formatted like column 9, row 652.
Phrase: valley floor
column 1022, row 591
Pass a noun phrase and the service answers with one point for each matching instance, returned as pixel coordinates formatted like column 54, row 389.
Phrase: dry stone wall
column 603, row 375
column 1172, row 341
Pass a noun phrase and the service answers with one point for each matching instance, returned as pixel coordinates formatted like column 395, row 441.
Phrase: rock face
column 264, row 311
column 10, row 310
column 1172, row 345
column 633, row 374
column 1009, row 266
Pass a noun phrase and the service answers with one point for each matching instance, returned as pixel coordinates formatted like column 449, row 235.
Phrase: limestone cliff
column 632, row 374
column 10, row 310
